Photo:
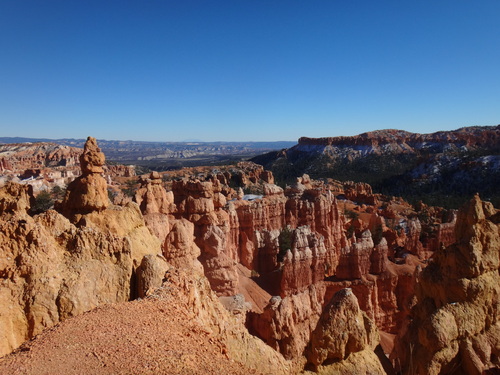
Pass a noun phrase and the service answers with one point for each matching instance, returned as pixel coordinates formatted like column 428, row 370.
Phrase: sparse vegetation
column 130, row 188
column 58, row 193
column 377, row 234
column 285, row 242
column 350, row 231
column 350, row 214
column 45, row 199
column 43, row 202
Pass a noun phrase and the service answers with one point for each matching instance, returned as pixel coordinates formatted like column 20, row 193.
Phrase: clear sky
column 236, row 70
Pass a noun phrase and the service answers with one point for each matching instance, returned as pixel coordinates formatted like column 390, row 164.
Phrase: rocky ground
column 152, row 336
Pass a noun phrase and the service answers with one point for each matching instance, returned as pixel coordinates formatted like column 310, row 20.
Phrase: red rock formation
column 354, row 262
column 444, row 237
column 15, row 198
column 52, row 269
column 378, row 258
column 304, row 264
column 386, row 298
column 360, row 192
column 455, row 325
column 286, row 323
column 22, row 156
column 117, row 170
column 150, row 274
column 251, row 220
column 201, row 203
column 179, row 247
column 252, row 237
column 413, row 244
column 249, row 173
column 156, row 205
column 5, row 165
column 249, row 232
column 200, row 219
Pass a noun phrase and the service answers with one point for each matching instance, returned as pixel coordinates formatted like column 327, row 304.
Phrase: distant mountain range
column 443, row 168
column 165, row 155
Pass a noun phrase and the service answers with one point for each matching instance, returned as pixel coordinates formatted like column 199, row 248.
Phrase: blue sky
column 246, row 70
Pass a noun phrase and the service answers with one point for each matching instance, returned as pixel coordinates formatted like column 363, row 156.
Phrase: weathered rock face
column 5, row 165
column 156, row 204
column 314, row 207
column 201, row 203
column 251, row 233
column 51, row 270
column 343, row 329
column 88, row 192
column 355, row 260
column 315, row 234
column 378, row 258
column 179, row 247
column 304, row 265
column 15, row 198
column 386, row 298
column 246, row 174
column 152, row 198
column 443, row 236
column 118, row 170
column 125, row 221
column 219, row 267
column 150, row 274
column 456, row 322
column 286, row 323
column 250, row 220
column 362, row 257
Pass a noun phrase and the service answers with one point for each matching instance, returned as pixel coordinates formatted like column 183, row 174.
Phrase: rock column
column 87, row 193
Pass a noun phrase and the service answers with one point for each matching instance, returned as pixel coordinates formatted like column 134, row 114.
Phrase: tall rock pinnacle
column 88, row 193
column 92, row 159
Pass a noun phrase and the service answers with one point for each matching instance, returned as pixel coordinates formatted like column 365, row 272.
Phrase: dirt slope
column 152, row 336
